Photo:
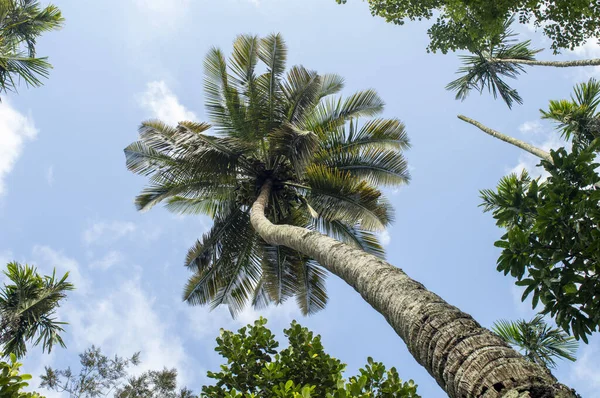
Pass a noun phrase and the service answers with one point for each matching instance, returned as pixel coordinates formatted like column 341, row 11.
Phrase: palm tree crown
column 21, row 23
column 287, row 129
column 27, row 308
column 485, row 68
column 540, row 342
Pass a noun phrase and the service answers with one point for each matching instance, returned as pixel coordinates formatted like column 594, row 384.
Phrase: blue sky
column 66, row 199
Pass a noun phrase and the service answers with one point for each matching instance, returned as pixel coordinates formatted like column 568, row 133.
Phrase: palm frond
column 377, row 166
column 330, row 84
column 296, row 145
column 352, row 235
column 279, row 280
column 244, row 59
column 311, row 294
column 301, row 89
column 337, row 195
column 487, row 68
column 332, row 113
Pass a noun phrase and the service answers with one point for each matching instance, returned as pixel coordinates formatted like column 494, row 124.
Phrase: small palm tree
column 538, row 341
column 288, row 166
column 21, row 23
column 27, row 308
column 498, row 58
column 578, row 118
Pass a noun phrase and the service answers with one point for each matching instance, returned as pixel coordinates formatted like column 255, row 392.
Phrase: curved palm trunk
column 466, row 359
column 557, row 64
column 507, row 138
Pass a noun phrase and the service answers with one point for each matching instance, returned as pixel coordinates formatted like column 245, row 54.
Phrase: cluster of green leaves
column 255, row 369
column 21, row 23
column 465, row 24
column 154, row 384
column 324, row 164
column 538, row 341
column 27, row 308
column 552, row 243
column 101, row 376
column 12, row 381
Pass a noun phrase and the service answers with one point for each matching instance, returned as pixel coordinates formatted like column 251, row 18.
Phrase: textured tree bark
column 465, row 359
column 507, row 138
column 556, row 64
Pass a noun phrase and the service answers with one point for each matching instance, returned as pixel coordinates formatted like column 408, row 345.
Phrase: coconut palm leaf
column 27, row 308
column 578, row 118
column 352, row 235
column 21, row 23
column 539, row 342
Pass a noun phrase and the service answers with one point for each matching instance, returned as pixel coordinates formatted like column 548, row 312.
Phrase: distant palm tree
column 289, row 163
column 27, row 308
column 21, row 23
column 502, row 57
column 539, row 342
column 578, row 118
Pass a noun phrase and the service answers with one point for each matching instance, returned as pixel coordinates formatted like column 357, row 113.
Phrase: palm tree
column 27, row 308
column 21, row 23
column 498, row 58
column 288, row 164
column 539, row 342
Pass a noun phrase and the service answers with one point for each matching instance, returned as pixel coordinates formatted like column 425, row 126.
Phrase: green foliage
column 552, row 243
column 27, row 308
column 324, row 162
column 485, row 68
column 21, row 23
column 538, row 341
column 12, row 382
column 256, row 369
column 101, row 376
column 465, row 24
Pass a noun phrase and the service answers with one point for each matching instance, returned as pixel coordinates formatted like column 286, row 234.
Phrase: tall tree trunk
column 507, row 138
column 465, row 359
column 556, row 64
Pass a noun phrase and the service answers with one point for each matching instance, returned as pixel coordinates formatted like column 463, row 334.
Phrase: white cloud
column 103, row 232
column 111, row 258
column 385, row 237
column 125, row 321
column 50, row 176
column 162, row 14
column 586, row 370
column 529, row 162
column 160, row 102
column 533, row 126
column 46, row 259
column 15, row 130
column 591, row 49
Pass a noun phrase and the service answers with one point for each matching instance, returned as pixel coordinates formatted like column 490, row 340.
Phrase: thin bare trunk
column 507, row 138
column 465, row 359
column 556, row 64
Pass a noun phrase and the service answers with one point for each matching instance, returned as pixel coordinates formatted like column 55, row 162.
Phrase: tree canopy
column 104, row 376
column 465, row 24
column 12, row 381
column 552, row 243
column 27, row 309
column 255, row 368
column 325, row 164
column 21, row 23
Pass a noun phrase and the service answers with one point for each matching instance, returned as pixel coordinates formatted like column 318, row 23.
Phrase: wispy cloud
column 111, row 258
column 46, row 259
column 103, row 232
column 15, row 130
column 50, row 176
column 160, row 103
